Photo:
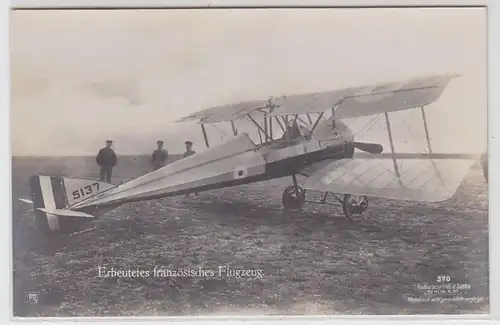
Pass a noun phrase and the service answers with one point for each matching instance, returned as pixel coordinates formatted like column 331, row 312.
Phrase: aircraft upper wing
column 225, row 112
column 352, row 102
column 414, row 177
column 368, row 100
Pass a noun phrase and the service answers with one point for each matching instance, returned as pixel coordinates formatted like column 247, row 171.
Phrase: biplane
column 296, row 137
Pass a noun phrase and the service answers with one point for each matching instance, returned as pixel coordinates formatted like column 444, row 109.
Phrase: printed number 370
column 443, row 278
column 86, row 190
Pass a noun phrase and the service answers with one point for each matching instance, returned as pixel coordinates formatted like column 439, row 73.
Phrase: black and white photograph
column 237, row 162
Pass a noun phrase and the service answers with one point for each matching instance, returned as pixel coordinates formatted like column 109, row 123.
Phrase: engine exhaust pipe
column 373, row 148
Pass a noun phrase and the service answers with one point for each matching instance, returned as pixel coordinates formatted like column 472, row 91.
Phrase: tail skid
column 26, row 201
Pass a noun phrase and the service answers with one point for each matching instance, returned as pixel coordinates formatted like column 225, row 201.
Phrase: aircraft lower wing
column 408, row 177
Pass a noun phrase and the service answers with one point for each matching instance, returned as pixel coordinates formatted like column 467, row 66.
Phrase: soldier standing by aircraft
column 189, row 152
column 160, row 156
column 106, row 159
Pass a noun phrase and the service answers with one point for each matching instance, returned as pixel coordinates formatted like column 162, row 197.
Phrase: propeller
column 373, row 148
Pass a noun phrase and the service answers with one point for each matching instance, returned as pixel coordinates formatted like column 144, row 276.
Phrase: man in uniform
column 106, row 159
column 189, row 152
column 159, row 157
column 189, row 149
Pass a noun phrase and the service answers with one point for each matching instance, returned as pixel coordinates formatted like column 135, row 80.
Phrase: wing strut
column 429, row 144
column 285, row 120
column 287, row 134
column 301, row 119
column 235, row 132
column 271, row 128
column 333, row 117
column 389, row 131
column 266, row 136
column 279, row 123
column 426, row 129
column 205, row 135
column 258, row 126
column 316, row 123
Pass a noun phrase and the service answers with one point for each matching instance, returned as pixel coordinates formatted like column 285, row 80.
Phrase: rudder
column 57, row 193
column 44, row 222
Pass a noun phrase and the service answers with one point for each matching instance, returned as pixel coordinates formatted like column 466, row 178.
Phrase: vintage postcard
column 249, row 162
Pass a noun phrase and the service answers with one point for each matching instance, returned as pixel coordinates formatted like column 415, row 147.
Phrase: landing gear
column 293, row 199
column 294, row 196
column 354, row 206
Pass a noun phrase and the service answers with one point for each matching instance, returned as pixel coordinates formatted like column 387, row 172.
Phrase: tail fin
column 79, row 189
column 52, row 197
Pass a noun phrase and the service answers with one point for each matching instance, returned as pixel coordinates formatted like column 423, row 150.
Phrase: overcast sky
column 80, row 77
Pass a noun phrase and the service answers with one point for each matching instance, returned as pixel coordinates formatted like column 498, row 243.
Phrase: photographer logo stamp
column 33, row 298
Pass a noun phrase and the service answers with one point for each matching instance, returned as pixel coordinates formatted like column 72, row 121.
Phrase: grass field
column 313, row 262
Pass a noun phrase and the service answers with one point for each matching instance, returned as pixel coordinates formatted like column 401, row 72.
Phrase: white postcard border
column 493, row 143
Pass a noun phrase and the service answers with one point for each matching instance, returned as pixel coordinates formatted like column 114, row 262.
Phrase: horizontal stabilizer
column 66, row 213
column 26, row 201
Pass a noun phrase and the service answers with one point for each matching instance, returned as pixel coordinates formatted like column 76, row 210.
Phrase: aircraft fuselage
column 211, row 170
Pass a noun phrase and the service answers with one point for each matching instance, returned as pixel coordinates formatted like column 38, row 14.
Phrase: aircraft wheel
column 354, row 206
column 292, row 202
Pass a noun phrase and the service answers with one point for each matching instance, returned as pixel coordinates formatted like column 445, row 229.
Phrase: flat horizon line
column 79, row 156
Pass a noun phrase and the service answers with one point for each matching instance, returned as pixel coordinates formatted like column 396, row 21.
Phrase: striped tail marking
column 47, row 193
